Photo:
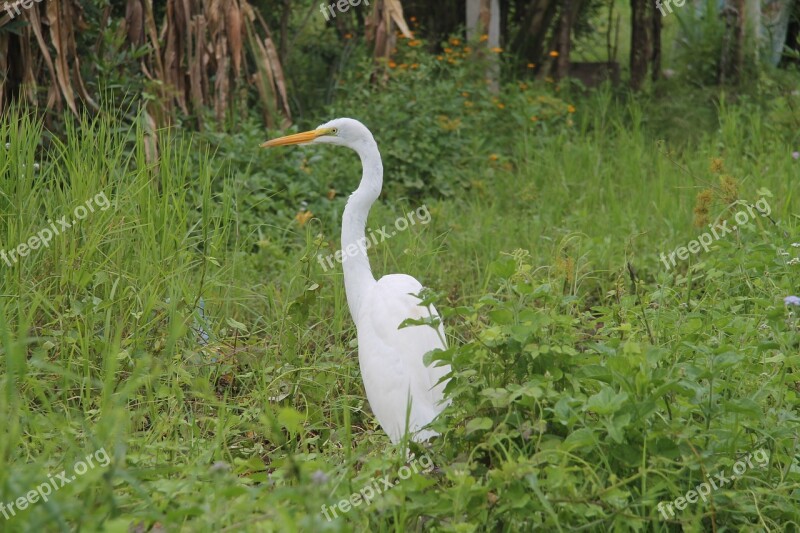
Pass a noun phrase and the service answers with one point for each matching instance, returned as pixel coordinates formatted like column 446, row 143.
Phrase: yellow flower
column 439, row 58
column 467, row 49
column 455, row 42
column 571, row 108
column 730, row 189
column 303, row 216
column 448, row 124
column 468, row 104
column 497, row 50
column 553, row 53
column 494, row 157
column 534, row 119
column 331, row 194
column 565, row 266
column 465, row 94
column 501, row 105
column 484, row 38
column 448, row 50
column 531, row 65
column 415, row 42
column 702, row 203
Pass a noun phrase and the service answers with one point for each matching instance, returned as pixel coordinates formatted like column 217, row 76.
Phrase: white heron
column 391, row 359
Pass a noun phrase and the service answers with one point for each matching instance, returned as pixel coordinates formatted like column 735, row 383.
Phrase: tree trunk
column 641, row 50
column 563, row 46
column 483, row 18
column 655, row 58
column 529, row 43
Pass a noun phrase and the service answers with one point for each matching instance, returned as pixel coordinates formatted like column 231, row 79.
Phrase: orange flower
column 415, row 42
column 534, row 119
column 494, row 157
column 484, row 38
column 531, row 65
column 303, row 216
column 501, row 106
column 497, row 50
column 467, row 49
column 439, row 58
column 465, row 94
column 455, row 42
column 415, row 65
column 348, row 35
column 571, row 108
column 392, row 64
column 412, row 19
column 448, row 50
column 553, row 53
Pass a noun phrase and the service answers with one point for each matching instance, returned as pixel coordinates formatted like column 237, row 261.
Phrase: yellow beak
column 297, row 138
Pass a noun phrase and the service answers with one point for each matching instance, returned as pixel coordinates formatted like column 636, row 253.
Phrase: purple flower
column 791, row 300
column 319, row 477
column 796, row 155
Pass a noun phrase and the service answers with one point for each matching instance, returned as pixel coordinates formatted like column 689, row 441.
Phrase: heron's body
column 391, row 358
column 400, row 388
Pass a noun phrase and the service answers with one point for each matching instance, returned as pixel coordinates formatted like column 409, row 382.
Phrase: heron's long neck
column 358, row 276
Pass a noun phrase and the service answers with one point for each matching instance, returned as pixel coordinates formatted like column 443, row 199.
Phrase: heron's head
column 342, row 131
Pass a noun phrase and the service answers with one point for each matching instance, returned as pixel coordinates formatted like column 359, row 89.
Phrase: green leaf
column 606, row 402
column 479, row 424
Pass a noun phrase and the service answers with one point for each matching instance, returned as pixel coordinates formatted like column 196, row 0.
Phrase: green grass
column 583, row 394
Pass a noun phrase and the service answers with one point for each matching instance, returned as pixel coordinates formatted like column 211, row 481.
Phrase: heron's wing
column 391, row 359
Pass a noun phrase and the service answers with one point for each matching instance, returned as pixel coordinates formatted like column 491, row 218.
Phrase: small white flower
column 784, row 254
column 36, row 166
column 319, row 477
column 794, row 261
column 220, row 466
column 763, row 326
column 8, row 146
column 796, row 245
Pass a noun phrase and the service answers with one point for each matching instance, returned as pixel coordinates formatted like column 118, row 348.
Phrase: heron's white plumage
column 391, row 359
